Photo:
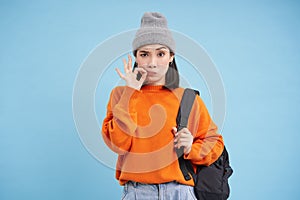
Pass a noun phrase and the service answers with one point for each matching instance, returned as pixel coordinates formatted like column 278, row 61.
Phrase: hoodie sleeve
column 120, row 124
column 208, row 144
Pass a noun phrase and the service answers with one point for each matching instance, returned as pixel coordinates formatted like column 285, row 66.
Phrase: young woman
column 140, row 125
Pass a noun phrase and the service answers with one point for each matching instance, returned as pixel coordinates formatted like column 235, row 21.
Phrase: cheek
column 165, row 61
column 163, row 70
column 141, row 62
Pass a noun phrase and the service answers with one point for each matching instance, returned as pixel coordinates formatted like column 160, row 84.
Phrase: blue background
column 254, row 44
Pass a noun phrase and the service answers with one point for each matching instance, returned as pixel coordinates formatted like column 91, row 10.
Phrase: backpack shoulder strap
column 184, row 110
column 185, row 107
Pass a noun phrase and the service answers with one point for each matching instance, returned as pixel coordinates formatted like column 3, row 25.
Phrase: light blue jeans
column 165, row 191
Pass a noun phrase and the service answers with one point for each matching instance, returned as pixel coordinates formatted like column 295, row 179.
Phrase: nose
column 153, row 62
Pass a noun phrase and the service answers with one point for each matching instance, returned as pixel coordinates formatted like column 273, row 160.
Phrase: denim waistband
column 135, row 184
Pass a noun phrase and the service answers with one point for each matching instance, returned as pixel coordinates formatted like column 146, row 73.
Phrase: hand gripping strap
column 185, row 107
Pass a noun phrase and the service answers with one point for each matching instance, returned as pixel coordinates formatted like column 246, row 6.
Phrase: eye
column 143, row 54
column 161, row 54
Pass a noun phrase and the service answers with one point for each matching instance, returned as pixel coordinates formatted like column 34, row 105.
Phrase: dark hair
column 172, row 75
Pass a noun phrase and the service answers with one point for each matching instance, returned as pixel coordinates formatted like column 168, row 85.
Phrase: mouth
column 150, row 73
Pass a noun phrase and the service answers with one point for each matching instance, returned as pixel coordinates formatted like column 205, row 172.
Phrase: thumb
column 174, row 130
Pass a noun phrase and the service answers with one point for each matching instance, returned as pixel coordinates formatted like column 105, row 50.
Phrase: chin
column 151, row 80
column 154, row 80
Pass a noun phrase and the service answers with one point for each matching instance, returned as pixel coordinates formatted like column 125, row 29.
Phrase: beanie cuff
column 154, row 38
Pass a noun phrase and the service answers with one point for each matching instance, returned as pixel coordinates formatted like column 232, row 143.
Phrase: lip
column 151, row 73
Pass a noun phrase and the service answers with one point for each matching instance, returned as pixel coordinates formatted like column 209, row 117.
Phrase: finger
column 143, row 74
column 120, row 73
column 182, row 137
column 182, row 144
column 125, row 66
column 174, row 130
column 178, row 145
column 175, row 140
column 139, row 69
column 180, row 132
column 185, row 135
column 184, row 131
column 129, row 66
column 184, row 141
column 140, row 74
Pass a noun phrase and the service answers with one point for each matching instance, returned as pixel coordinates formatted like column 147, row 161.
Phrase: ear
column 171, row 57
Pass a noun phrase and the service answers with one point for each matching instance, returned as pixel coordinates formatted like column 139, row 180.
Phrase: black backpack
column 211, row 182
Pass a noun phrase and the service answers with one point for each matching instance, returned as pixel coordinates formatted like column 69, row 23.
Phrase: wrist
column 187, row 151
column 133, row 87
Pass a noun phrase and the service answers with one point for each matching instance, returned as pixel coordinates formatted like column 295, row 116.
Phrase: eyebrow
column 160, row 48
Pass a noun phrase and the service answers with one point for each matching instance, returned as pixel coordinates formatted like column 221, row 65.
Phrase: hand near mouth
column 134, row 78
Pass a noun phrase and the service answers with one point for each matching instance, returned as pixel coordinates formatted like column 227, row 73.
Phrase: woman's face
column 155, row 59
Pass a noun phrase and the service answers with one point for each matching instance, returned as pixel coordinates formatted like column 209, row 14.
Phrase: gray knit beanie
column 153, row 30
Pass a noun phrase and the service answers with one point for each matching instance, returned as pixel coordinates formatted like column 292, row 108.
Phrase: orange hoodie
column 138, row 127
